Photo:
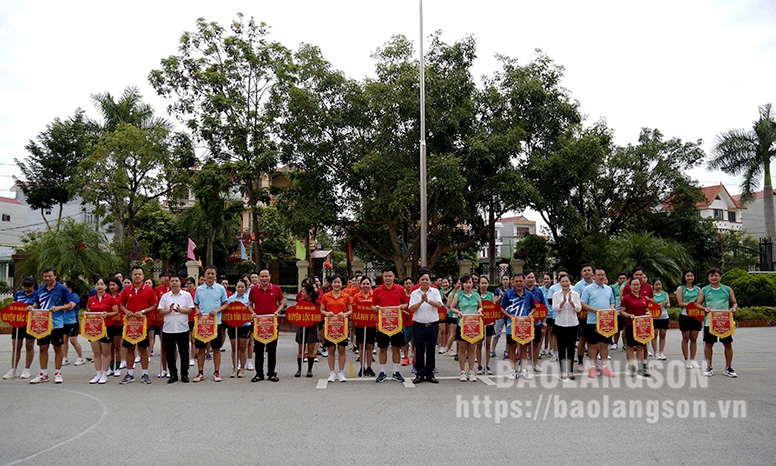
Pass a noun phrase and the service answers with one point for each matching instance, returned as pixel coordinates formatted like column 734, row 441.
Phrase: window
column 6, row 218
column 47, row 212
column 718, row 214
column 731, row 216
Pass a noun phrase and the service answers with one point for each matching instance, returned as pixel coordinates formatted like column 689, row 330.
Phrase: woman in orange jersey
column 336, row 302
column 365, row 336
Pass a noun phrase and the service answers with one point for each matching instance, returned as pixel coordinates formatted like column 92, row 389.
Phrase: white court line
column 408, row 383
column 322, row 384
column 87, row 430
column 487, row 380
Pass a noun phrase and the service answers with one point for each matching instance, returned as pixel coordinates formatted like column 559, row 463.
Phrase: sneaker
column 249, row 366
column 632, row 371
column 95, row 379
column 103, row 379
column 145, row 379
column 191, row 362
column 452, row 353
column 650, row 354
column 127, row 379
column 109, row 373
column 537, row 368
column 325, row 353
column 488, row 371
column 208, row 356
column 413, row 369
column 442, row 350
column 304, row 359
column 66, row 362
column 40, row 379
column 309, row 374
column 123, row 365
column 526, row 375
column 613, row 346
column 645, row 371
column 592, row 373
column 472, row 376
column 216, row 377
column 397, row 377
column 662, row 357
column 405, row 361
column 606, row 372
column 332, row 376
column 116, row 373
column 10, row 374
column 341, row 377
column 579, row 368
column 25, row 374
column 58, row 377
column 380, row 378
column 369, row 372
column 731, row 373
column 462, row 376
column 374, row 351
column 137, row 359
column 492, row 354
column 512, row 375
column 695, row 365
column 506, row 355
column 708, row 372
column 199, row 378
column 554, row 358
column 79, row 362
column 315, row 359
column 298, row 374
column 687, row 365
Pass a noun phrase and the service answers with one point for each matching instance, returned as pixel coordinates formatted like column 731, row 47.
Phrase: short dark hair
column 390, row 268
column 637, row 268
column 714, row 270
column 52, row 270
column 71, row 284
column 585, row 264
column 518, row 274
column 29, row 281
column 135, row 268
column 211, row 267
column 175, row 275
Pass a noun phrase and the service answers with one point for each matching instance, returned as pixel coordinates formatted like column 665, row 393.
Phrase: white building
column 754, row 223
column 719, row 205
column 509, row 230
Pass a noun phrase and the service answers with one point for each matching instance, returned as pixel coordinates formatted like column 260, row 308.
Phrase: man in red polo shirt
column 266, row 298
column 137, row 300
column 389, row 294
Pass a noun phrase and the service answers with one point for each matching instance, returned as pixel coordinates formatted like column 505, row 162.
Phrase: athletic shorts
column 384, row 341
column 216, row 343
column 371, row 333
column 71, row 330
column 709, row 338
column 661, row 324
column 550, row 321
column 498, row 328
column 490, row 330
column 407, row 335
column 593, row 337
column 17, row 333
column 687, row 324
column 451, row 320
column 242, row 331
column 327, row 343
column 629, row 339
column 56, row 338
column 115, row 331
column 145, row 343
column 191, row 326
column 620, row 322
column 310, row 335
column 155, row 329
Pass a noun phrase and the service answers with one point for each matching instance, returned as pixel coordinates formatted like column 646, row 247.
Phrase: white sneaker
column 341, row 377
column 526, row 375
column 191, row 362
column 650, row 354
column 462, row 376
column 512, row 375
column 442, row 350
column 116, row 373
column 537, row 368
column 58, row 378
column 472, row 376
column 663, row 357
column 613, row 346
column 40, row 379
column 66, row 362
column 249, row 366
column 137, row 359
column 332, row 376
column 9, row 375
column 687, row 364
column 695, row 365
column 123, row 365
column 103, row 379
column 325, row 354
column 554, row 358
column 79, row 362
column 96, row 378
column 25, row 374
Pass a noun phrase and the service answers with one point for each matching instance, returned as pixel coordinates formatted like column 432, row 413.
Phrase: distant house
column 754, row 223
column 720, row 206
column 509, row 230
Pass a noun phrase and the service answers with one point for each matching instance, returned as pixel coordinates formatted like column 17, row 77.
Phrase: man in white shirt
column 424, row 303
column 175, row 306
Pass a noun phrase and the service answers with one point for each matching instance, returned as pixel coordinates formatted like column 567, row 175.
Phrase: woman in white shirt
column 566, row 304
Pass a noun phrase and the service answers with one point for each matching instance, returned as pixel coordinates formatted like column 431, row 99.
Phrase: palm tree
column 750, row 153
column 659, row 257
column 128, row 109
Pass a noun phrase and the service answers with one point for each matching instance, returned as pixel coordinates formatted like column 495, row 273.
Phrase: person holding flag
column 102, row 302
column 238, row 336
column 266, row 298
column 597, row 297
column 27, row 296
column 466, row 302
column 53, row 297
column 365, row 336
column 336, row 302
column 389, row 295
column 210, row 299
column 538, row 297
column 717, row 297
column 135, row 302
column 635, row 304
column 687, row 293
column 517, row 302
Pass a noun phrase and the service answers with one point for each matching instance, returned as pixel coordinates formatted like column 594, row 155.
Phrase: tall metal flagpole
column 423, row 213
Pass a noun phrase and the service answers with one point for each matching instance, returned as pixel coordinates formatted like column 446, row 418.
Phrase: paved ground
column 360, row 422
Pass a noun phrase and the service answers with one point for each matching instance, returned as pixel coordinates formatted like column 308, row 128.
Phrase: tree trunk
column 770, row 223
column 211, row 233
column 48, row 227
column 492, row 246
column 59, row 217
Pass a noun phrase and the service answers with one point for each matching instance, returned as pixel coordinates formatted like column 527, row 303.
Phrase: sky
column 690, row 68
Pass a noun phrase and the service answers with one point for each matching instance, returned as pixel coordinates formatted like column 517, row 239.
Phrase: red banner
column 471, row 328
column 335, row 328
column 643, row 329
column 522, row 329
column 363, row 315
column 491, row 312
column 695, row 313
column 15, row 314
column 304, row 314
column 154, row 319
column 236, row 315
column 654, row 309
column 442, row 311
column 389, row 320
column 135, row 329
column 205, row 328
column 721, row 324
column 265, row 328
column 606, row 323
column 93, row 326
column 582, row 316
column 541, row 311
column 39, row 323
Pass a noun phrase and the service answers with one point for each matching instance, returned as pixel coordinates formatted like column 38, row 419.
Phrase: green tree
column 129, row 109
column 735, row 249
column 534, row 251
column 750, row 153
column 76, row 251
column 50, row 175
column 659, row 257
column 222, row 80
column 274, row 235
column 160, row 234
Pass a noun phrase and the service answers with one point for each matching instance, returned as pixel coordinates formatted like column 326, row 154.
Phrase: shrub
column 754, row 290
column 733, row 274
column 755, row 313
